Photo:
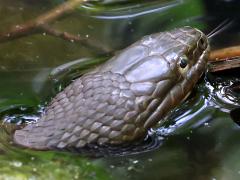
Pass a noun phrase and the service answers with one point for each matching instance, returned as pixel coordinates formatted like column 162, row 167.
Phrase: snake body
column 122, row 99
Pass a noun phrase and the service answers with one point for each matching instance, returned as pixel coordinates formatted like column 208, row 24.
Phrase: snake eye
column 183, row 63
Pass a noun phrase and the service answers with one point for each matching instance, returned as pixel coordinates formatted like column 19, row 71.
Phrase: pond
column 198, row 140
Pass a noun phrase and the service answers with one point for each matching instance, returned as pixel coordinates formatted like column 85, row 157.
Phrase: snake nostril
column 202, row 43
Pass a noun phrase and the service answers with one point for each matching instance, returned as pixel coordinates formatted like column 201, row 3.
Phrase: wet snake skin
column 122, row 99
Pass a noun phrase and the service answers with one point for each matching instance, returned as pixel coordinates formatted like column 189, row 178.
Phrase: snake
column 119, row 101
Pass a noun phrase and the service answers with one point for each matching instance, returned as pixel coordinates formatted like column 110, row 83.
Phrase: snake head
column 191, row 54
column 120, row 100
column 163, row 67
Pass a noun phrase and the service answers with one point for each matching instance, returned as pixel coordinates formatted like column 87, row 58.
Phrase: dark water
column 199, row 140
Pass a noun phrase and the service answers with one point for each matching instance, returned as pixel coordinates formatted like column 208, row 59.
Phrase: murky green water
column 199, row 140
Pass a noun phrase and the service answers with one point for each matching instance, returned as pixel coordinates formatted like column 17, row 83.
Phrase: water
column 199, row 140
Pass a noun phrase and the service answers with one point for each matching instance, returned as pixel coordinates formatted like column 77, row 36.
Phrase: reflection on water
column 198, row 140
column 224, row 89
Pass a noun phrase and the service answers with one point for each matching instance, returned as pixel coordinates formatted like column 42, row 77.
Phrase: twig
column 225, row 53
column 221, row 65
column 40, row 24
column 75, row 38
column 224, row 59
column 32, row 26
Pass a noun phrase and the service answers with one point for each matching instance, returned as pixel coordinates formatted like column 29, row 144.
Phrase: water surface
column 199, row 140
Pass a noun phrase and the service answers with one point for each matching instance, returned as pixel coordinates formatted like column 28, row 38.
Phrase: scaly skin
column 119, row 101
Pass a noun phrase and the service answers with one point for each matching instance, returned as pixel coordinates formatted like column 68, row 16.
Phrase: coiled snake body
column 119, row 101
